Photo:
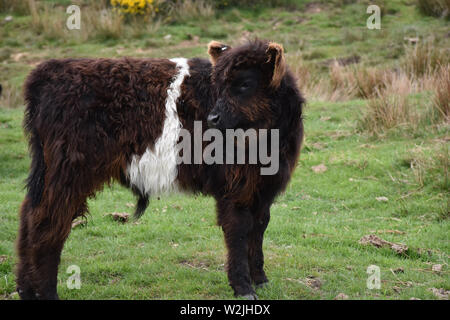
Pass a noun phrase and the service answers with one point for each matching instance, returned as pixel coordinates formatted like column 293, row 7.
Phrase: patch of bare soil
column 202, row 265
column 122, row 217
column 314, row 7
column 376, row 241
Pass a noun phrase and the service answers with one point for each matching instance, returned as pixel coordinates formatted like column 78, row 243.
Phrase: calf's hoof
column 245, row 291
column 250, row 296
column 262, row 284
column 47, row 296
column 26, row 293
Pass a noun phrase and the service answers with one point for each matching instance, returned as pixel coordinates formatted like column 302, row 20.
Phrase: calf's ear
column 275, row 57
column 215, row 49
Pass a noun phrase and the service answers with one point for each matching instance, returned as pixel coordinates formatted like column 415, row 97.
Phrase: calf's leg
column 255, row 251
column 23, row 270
column 47, row 244
column 43, row 231
column 236, row 224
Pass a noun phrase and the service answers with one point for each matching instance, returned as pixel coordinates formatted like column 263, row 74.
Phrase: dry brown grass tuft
column 101, row 23
column 97, row 22
column 370, row 81
column 46, row 20
column 424, row 59
column 340, row 77
column 336, row 87
column 190, row 9
column 359, row 82
column 315, row 88
column 390, row 108
column 441, row 99
column 341, row 83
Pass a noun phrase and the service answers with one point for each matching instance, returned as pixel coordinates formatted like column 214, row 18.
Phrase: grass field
column 391, row 181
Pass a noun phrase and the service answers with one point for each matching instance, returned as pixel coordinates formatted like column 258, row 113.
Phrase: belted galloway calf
column 94, row 121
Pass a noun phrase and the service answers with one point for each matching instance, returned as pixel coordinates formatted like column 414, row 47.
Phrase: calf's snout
column 213, row 119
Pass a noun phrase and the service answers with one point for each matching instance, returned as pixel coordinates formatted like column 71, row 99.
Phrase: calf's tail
column 35, row 180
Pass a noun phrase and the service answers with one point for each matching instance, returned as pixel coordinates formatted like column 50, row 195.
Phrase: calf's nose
column 213, row 120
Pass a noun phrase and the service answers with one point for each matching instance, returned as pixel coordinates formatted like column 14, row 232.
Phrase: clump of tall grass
column 390, row 108
column 420, row 64
column 97, row 21
column 441, row 100
column 340, row 77
column 370, row 81
column 190, row 9
column 310, row 84
column 317, row 87
column 102, row 24
column 435, row 8
column 342, row 82
column 47, row 20
column 424, row 58
column 357, row 82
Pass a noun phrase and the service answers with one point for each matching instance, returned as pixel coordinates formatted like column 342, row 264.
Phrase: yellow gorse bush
column 135, row 7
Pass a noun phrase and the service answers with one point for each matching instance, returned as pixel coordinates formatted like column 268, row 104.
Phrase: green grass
column 176, row 251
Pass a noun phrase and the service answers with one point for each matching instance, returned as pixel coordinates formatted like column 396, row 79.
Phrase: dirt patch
column 310, row 281
column 122, row 217
column 202, row 265
column 378, row 242
column 319, row 168
column 440, row 293
column 314, row 7
column 341, row 296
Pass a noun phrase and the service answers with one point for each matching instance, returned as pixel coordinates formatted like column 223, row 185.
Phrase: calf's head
column 246, row 82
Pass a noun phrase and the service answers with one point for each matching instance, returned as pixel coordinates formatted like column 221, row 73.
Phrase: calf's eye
column 245, row 86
